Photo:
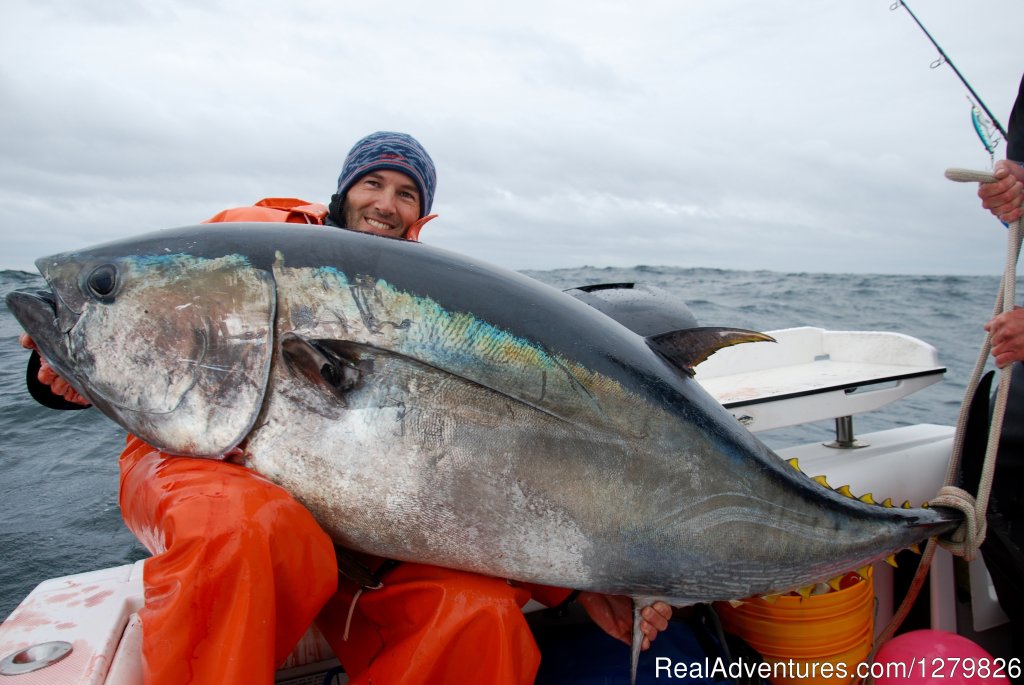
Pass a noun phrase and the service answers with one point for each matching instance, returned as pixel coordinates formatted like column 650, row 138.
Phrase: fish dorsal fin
column 688, row 347
column 324, row 363
column 644, row 309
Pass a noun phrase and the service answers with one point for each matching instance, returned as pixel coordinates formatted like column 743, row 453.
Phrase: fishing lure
column 985, row 129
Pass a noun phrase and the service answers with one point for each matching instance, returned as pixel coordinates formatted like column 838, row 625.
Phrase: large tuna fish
column 428, row 407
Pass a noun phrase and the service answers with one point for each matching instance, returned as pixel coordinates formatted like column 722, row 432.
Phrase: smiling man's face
column 383, row 202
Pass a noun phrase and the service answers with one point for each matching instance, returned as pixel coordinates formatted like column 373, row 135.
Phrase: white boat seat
column 811, row 374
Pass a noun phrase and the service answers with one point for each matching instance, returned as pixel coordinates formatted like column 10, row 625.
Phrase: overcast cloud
column 753, row 134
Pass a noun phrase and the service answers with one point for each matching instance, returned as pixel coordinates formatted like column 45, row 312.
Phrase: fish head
column 175, row 348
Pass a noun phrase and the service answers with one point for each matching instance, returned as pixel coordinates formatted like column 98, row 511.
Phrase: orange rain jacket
column 240, row 570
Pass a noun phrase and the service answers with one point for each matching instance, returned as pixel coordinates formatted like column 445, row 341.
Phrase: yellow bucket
column 812, row 640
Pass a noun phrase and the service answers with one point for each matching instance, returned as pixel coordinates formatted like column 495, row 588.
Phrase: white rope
column 351, row 610
column 966, row 540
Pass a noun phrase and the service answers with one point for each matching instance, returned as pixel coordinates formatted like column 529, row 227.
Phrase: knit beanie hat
column 395, row 151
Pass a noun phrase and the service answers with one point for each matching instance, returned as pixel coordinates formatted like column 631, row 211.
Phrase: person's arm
column 1003, row 197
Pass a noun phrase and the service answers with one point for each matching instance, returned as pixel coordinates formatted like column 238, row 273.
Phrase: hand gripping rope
column 966, row 540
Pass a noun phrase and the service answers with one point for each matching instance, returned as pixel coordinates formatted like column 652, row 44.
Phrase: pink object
column 934, row 657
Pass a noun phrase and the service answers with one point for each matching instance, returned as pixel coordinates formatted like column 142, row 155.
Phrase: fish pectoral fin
column 322, row 365
column 688, row 347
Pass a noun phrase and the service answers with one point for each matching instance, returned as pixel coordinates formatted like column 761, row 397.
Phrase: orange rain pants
column 240, row 570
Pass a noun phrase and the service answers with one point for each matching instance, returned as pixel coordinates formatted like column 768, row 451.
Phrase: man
column 1003, row 549
column 240, row 569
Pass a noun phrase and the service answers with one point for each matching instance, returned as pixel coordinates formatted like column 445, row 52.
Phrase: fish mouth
column 36, row 311
column 28, row 305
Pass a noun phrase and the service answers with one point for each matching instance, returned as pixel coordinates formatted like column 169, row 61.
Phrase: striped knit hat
column 395, row 151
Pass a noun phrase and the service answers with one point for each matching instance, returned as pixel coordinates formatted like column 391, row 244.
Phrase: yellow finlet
column 887, row 503
column 867, row 499
column 915, row 548
column 795, row 463
column 891, row 560
column 820, row 480
column 845, row 491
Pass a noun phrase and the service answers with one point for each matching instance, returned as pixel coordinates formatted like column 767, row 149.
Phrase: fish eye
column 102, row 281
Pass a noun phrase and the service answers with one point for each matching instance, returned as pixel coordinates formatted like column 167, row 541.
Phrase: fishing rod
column 944, row 59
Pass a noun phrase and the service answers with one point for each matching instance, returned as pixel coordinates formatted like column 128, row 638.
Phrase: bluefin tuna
column 428, row 407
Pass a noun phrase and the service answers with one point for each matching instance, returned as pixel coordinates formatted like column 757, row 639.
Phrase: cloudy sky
column 755, row 134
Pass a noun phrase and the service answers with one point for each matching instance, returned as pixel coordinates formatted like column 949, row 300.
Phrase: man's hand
column 1003, row 197
column 614, row 614
column 1007, row 331
column 47, row 376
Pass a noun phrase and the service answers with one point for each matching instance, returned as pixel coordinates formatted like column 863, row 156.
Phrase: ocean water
column 58, row 470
